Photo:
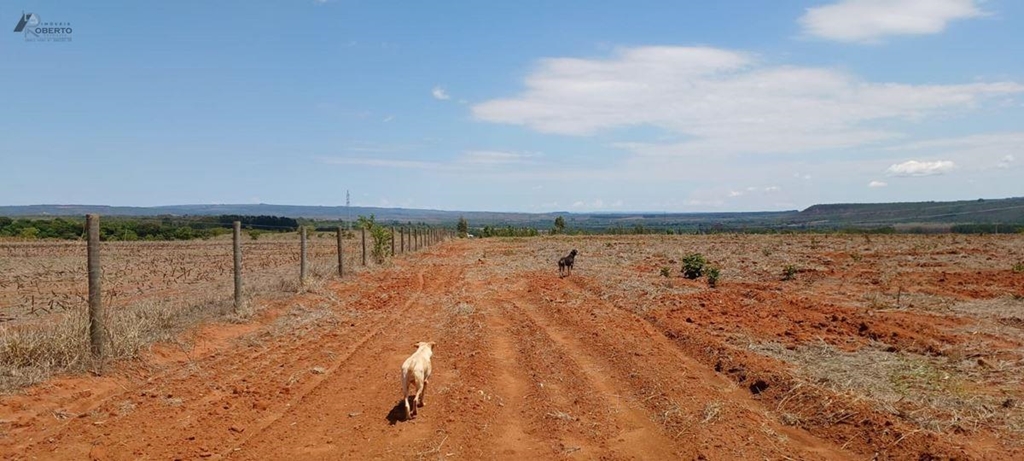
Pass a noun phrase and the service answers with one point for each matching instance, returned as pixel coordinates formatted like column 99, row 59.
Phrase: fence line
column 417, row 238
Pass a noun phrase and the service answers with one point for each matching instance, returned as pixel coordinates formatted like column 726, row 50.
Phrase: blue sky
column 518, row 106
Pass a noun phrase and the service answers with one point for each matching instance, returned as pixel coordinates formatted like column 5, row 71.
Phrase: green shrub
column 693, row 265
column 1019, row 267
column 381, row 243
column 665, row 271
column 789, row 272
column 713, row 274
column 380, row 238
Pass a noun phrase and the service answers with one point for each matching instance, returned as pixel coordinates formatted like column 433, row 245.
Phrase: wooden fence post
column 96, row 326
column 237, row 243
column 403, row 240
column 302, row 257
column 363, row 232
column 392, row 241
column 341, row 255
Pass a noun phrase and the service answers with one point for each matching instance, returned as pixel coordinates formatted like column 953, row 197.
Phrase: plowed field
column 898, row 347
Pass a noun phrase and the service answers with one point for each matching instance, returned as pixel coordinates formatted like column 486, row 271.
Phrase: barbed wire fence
column 191, row 269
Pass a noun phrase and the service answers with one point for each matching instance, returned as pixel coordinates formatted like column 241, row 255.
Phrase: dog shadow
column 397, row 414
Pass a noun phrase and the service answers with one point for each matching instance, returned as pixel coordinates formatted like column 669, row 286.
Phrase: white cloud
column 984, row 151
column 699, row 203
column 440, row 93
column 492, row 157
column 388, row 118
column 916, row 168
column 735, row 193
column 867, row 21
column 722, row 102
column 877, row 184
column 772, row 189
column 596, row 204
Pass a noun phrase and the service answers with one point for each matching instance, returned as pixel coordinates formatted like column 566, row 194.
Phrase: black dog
column 565, row 264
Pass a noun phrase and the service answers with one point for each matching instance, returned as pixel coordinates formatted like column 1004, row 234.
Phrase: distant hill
column 982, row 211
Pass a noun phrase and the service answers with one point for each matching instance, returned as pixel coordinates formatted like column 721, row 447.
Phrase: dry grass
column 711, row 412
column 926, row 391
column 152, row 292
column 32, row 353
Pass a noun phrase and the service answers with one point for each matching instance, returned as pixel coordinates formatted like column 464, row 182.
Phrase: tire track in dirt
column 568, row 402
column 361, row 387
column 345, row 417
column 269, row 420
column 622, row 432
column 690, row 402
column 512, row 387
column 821, row 417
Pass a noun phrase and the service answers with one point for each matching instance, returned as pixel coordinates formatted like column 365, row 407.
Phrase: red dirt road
column 527, row 366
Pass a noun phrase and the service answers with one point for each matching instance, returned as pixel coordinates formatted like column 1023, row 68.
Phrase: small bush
column 1019, row 267
column 665, row 271
column 789, row 272
column 713, row 274
column 693, row 265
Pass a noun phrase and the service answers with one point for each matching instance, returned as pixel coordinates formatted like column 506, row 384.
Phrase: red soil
column 528, row 366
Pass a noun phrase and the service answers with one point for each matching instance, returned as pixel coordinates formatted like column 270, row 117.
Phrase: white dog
column 416, row 370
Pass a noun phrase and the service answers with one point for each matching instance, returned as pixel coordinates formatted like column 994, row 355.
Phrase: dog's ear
column 432, row 344
column 416, row 345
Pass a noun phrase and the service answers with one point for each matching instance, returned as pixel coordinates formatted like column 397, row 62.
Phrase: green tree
column 30, row 233
column 559, row 226
column 463, row 227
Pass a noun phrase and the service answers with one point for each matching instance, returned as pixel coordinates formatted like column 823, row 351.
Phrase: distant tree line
column 507, row 231
column 260, row 222
column 132, row 229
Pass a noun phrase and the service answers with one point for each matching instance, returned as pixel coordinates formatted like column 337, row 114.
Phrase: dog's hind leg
column 405, row 395
column 421, row 385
